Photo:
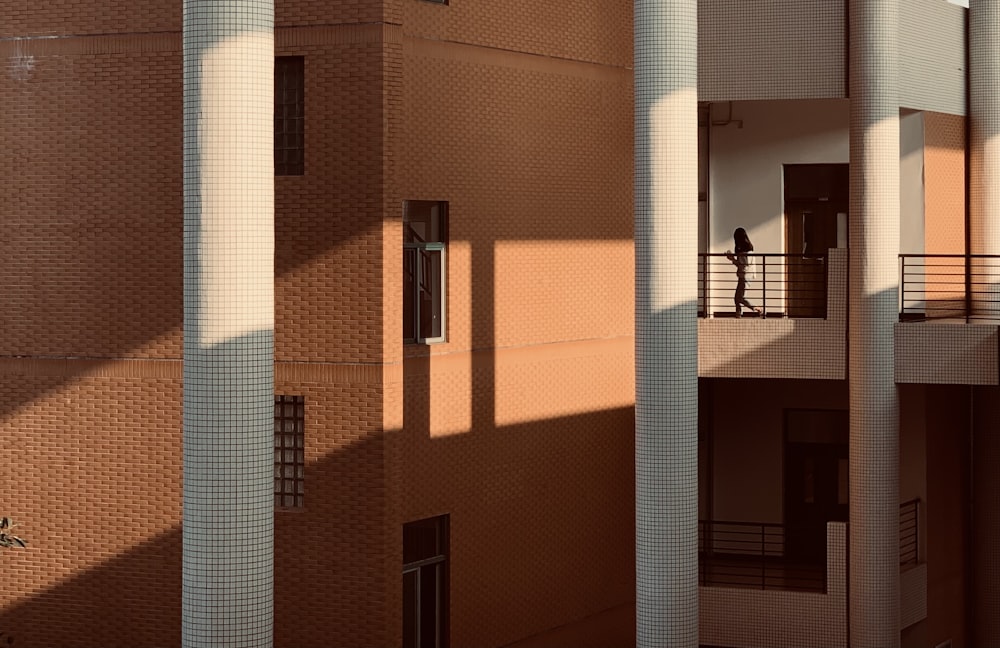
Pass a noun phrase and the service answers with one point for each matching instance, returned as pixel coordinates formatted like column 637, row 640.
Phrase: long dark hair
column 742, row 241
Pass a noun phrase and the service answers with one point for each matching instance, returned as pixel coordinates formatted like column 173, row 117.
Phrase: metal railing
column 781, row 285
column 949, row 286
column 909, row 533
column 753, row 555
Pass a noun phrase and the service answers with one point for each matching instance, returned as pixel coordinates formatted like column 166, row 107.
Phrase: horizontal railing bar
column 950, row 256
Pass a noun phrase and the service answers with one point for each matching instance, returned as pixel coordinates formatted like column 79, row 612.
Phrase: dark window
column 289, row 115
column 424, row 265
column 289, row 451
column 425, row 583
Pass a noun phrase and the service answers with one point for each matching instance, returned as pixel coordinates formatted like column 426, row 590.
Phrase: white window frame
column 443, row 256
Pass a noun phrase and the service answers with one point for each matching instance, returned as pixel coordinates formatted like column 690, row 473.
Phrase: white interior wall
column 748, row 153
column 748, row 428
column 911, row 182
column 746, row 158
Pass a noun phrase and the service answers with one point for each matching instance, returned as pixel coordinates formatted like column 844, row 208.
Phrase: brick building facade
column 403, row 101
column 455, row 315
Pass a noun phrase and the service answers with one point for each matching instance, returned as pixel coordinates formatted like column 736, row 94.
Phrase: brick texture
column 520, row 426
column 92, row 272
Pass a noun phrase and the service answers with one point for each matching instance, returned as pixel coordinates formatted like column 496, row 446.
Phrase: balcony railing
column 781, row 285
column 753, row 555
column 757, row 555
column 949, row 286
column 909, row 533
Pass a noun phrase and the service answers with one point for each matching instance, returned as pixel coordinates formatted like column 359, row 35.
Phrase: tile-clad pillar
column 874, row 250
column 666, row 244
column 984, row 140
column 984, row 238
column 228, row 323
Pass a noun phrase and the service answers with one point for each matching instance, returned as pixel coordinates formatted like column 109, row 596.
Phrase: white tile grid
column 228, row 324
column 932, row 57
column 874, row 231
column 780, row 348
column 748, row 618
column 666, row 323
column 984, row 163
column 913, row 595
column 781, row 49
column 944, row 354
column 984, row 234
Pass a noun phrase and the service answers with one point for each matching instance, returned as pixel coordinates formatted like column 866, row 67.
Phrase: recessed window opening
column 425, row 583
column 289, row 115
column 424, row 270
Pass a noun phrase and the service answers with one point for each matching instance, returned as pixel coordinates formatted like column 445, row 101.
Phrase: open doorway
column 816, row 201
column 815, row 479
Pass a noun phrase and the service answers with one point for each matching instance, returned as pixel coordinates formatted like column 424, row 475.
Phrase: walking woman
column 741, row 260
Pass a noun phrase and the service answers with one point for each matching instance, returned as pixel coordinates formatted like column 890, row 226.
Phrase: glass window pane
column 430, row 606
column 423, row 221
column 422, row 539
column 410, row 609
column 409, row 287
column 431, row 293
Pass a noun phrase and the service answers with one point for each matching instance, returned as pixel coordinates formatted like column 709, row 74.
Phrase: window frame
column 441, row 248
column 298, row 403
column 441, row 573
column 281, row 166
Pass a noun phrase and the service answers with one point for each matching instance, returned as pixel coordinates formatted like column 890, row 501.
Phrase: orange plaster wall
column 944, row 183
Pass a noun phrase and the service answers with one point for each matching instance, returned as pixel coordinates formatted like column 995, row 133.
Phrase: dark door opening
column 815, row 480
column 816, row 201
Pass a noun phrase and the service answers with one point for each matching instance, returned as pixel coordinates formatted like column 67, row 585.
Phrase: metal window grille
column 289, row 115
column 289, row 451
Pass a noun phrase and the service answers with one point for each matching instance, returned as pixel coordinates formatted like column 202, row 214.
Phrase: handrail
column 753, row 555
column 909, row 532
column 949, row 286
column 785, row 285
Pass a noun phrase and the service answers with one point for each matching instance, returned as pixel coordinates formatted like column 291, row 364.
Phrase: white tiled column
column 984, row 238
column 984, row 140
column 874, row 249
column 228, row 323
column 666, row 243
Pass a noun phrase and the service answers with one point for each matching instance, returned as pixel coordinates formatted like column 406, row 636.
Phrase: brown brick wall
column 330, row 556
column 586, row 31
column 328, row 223
column 97, row 490
column 535, row 159
column 91, row 203
column 93, row 265
column 520, row 426
column 95, row 480
column 92, row 268
column 531, row 455
column 530, row 452
column 70, row 17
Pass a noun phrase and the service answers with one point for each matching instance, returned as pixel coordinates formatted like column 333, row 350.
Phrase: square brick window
column 289, row 451
column 289, row 115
